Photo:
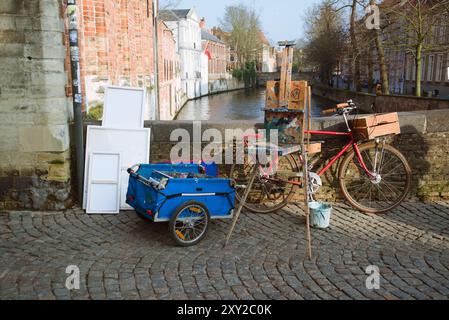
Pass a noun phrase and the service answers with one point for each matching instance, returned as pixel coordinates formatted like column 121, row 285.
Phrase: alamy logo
column 373, row 280
column 73, row 280
column 372, row 21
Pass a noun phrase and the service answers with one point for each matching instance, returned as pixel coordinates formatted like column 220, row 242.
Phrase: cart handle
column 150, row 182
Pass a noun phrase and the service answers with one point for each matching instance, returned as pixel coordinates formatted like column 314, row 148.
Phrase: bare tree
column 325, row 38
column 377, row 33
column 243, row 25
column 416, row 22
column 168, row 4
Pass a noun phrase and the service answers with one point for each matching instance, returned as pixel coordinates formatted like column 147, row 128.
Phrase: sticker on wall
column 78, row 98
column 75, row 54
column 73, row 37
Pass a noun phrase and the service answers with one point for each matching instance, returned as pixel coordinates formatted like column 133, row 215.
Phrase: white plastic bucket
column 320, row 214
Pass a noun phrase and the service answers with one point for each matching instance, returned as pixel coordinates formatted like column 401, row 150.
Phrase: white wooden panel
column 132, row 144
column 123, row 107
column 104, row 183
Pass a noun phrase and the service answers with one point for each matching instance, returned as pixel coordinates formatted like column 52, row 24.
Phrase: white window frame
column 431, row 67
column 439, row 66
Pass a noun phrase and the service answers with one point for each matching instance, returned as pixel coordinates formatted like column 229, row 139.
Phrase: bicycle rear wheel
column 269, row 193
column 383, row 192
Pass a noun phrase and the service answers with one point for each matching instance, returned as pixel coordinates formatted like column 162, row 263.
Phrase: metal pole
column 77, row 96
column 156, row 58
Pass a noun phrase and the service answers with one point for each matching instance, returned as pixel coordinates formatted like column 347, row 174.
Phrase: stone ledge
column 411, row 122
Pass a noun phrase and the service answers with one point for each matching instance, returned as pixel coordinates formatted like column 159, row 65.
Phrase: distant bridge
column 263, row 77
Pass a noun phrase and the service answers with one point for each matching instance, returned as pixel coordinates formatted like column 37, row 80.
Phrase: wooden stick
column 243, row 201
column 282, row 84
column 306, row 177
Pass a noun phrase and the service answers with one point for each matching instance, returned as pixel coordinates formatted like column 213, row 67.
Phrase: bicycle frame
column 352, row 143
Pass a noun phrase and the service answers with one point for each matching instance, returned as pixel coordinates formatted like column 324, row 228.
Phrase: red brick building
column 116, row 48
column 217, row 51
column 169, row 74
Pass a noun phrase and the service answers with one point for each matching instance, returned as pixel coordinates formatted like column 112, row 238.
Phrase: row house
column 401, row 63
column 267, row 59
column 170, row 89
column 113, row 48
column 116, row 48
column 216, row 52
column 435, row 65
column 185, row 25
column 231, row 54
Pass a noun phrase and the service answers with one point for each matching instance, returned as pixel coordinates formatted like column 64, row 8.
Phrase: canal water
column 237, row 105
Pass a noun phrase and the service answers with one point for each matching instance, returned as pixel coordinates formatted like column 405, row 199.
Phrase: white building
column 185, row 26
column 267, row 60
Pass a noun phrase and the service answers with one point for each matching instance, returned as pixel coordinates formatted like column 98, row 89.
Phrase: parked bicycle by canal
column 374, row 177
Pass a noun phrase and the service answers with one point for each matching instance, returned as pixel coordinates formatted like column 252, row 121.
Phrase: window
column 447, row 69
column 431, row 68
column 423, row 67
column 439, row 71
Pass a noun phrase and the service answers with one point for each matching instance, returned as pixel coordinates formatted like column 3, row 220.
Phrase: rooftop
column 173, row 15
column 206, row 35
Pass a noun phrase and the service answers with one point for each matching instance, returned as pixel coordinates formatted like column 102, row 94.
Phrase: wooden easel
column 294, row 96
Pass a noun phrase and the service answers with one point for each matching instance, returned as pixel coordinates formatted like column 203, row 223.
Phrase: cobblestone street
column 125, row 257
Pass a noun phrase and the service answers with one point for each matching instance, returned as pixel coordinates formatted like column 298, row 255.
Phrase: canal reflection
column 237, row 105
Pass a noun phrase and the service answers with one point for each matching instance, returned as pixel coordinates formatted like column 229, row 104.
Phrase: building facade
column 401, row 64
column 435, row 66
column 116, row 46
column 217, row 53
column 231, row 54
column 116, row 40
column 185, row 26
column 267, row 60
column 170, row 91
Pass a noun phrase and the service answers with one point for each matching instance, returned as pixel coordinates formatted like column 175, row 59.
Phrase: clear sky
column 281, row 19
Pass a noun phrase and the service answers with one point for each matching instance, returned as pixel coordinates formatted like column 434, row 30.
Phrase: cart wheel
column 189, row 224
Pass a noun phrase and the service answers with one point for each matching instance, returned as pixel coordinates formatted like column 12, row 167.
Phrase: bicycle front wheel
column 379, row 193
column 269, row 193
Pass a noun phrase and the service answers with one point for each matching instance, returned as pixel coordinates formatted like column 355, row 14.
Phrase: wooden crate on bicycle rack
column 375, row 125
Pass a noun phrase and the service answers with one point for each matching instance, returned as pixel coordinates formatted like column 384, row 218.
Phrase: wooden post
column 283, row 82
column 242, row 201
column 306, row 174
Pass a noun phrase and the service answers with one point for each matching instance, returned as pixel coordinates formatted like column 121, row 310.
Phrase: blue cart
column 182, row 194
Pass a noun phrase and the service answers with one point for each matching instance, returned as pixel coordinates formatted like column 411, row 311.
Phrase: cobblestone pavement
column 125, row 257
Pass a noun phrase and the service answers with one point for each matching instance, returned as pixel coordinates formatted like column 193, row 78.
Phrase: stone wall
column 424, row 141
column 34, row 109
column 224, row 85
column 391, row 103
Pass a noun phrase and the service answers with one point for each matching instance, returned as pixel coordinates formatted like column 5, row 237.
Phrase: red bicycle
column 374, row 176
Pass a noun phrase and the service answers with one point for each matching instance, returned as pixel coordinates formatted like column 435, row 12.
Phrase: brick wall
column 34, row 109
column 217, row 65
column 169, row 73
column 116, row 45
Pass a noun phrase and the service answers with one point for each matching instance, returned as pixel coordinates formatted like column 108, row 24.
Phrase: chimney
column 203, row 23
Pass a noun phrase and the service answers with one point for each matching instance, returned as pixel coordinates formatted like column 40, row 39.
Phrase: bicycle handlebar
column 329, row 111
column 341, row 106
